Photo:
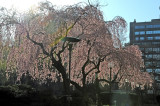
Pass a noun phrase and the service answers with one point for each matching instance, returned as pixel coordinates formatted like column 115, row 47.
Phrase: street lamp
column 110, row 65
column 71, row 40
column 126, row 84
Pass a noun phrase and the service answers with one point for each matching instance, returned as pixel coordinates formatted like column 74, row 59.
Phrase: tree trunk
column 66, row 82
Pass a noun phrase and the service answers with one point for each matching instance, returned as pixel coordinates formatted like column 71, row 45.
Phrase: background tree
column 6, row 42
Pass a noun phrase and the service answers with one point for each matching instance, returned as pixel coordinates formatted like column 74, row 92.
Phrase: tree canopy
column 37, row 46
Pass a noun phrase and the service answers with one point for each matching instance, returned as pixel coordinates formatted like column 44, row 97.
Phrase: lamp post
column 70, row 50
column 110, row 65
column 71, row 40
column 126, row 84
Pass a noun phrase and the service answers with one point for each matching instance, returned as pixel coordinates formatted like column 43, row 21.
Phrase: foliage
column 27, row 96
column 18, row 90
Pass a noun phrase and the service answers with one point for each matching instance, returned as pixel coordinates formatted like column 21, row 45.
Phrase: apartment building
column 147, row 36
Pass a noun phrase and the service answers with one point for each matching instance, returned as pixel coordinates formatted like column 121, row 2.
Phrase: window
column 156, row 50
column 156, row 26
column 142, row 49
column 148, row 64
column 157, row 70
column 156, row 32
column 149, row 26
column 157, row 78
column 152, row 26
column 158, row 64
column 153, row 32
column 149, row 38
column 156, row 56
column 155, row 43
column 137, row 43
column 141, row 38
column 136, row 33
column 142, row 32
column 148, row 32
column 148, row 50
column 136, row 38
column 149, row 56
column 139, row 27
column 157, row 38
column 146, row 43
column 149, row 70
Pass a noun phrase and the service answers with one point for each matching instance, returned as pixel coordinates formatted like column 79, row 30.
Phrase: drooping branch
column 39, row 44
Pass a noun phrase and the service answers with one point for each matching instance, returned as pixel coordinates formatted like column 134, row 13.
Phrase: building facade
column 147, row 36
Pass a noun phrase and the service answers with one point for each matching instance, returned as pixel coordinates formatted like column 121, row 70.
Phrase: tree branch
column 39, row 44
column 96, row 66
column 62, row 50
column 90, row 70
column 87, row 61
column 76, row 85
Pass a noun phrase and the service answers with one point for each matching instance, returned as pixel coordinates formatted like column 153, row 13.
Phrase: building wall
column 147, row 36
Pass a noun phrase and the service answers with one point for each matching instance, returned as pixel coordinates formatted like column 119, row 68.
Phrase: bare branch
column 87, row 62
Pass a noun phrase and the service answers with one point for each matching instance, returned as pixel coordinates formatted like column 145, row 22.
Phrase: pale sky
column 24, row 5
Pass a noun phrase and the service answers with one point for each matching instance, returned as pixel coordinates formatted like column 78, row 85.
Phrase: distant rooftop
column 153, row 20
